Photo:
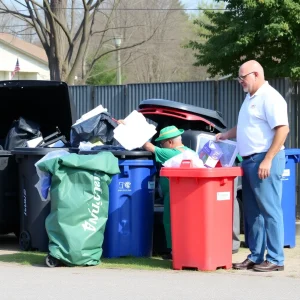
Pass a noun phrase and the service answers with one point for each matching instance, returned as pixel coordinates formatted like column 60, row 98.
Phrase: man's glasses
column 241, row 78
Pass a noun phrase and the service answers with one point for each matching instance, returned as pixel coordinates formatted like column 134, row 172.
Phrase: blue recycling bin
column 288, row 202
column 129, row 227
column 292, row 157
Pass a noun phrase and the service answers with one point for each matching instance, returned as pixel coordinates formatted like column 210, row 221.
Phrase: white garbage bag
column 175, row 161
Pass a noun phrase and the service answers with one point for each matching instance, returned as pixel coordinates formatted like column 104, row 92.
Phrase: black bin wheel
column 51, row 261
column 25, row 241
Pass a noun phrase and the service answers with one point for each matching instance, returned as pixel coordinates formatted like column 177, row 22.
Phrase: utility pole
column 118, row 42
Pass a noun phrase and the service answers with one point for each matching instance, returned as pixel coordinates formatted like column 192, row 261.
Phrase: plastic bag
column 44, row 183
column 96, row 111
column 21, row 131
column 175, row 161
column 86, row 146
column 79, row 206
column 100, row 126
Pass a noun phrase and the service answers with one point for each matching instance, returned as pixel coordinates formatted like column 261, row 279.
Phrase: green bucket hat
column 168, row 133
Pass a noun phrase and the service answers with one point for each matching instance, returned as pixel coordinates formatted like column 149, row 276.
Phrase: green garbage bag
column 79, row 206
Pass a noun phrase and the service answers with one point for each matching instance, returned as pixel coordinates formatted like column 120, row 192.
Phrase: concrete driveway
column 39, row 282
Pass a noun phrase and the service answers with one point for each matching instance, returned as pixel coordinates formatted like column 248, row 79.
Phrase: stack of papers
column 229, row 148
column 136, row 131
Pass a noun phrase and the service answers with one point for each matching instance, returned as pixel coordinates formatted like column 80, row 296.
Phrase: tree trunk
column 58, row 42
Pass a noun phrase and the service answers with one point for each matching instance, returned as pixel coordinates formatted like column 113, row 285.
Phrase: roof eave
column 25, row 52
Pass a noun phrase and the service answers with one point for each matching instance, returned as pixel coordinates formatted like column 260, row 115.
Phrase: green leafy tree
column 100, row 75
column 265, row 30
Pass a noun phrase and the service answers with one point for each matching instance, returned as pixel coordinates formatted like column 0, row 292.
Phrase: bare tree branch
column 121, row 48
column 72, row 19
column 39, row 29
column 54, row 18
column 71, row 39
column 113, row 28
column 6, row 10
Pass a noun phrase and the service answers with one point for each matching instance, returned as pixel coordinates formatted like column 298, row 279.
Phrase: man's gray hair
column 177, row 139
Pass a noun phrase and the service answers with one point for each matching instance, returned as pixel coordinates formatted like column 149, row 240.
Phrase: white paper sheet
column 34, row 142
column 136, row 131
column 96, row 111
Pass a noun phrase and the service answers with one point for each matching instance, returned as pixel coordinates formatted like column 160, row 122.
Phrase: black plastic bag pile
column 100, row 126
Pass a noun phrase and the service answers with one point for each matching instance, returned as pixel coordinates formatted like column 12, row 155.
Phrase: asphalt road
column 23, row 282
column 19, row 282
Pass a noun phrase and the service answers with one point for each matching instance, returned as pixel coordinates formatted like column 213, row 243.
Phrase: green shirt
column 161, row 156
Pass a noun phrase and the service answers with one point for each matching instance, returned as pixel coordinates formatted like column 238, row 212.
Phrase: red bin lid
column 186, row 170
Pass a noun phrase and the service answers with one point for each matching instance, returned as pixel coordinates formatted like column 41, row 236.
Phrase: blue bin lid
column 292, row 151
column 123, row 154
column 137, row 162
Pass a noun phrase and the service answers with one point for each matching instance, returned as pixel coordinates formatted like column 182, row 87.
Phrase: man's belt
column 248, row 156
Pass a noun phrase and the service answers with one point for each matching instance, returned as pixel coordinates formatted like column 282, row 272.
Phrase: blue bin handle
column 153, row 171
column 295, row 156
column 126, row 171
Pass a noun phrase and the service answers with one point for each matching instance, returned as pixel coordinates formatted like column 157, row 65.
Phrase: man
column 261, row 131
column 171, row 145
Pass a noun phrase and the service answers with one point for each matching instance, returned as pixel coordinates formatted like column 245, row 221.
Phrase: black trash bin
column 46, row 103
column 35, row 101
column 34, row 210
column 194, row 120
column 9, row 203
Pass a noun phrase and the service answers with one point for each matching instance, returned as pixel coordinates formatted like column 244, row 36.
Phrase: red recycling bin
column 201, row 201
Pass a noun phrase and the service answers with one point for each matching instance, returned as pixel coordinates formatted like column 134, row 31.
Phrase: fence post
column 216, row 95
column 93, row 97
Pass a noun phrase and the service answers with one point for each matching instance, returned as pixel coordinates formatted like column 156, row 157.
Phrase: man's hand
column 121, row 122
column 230, row 134
column 264, row 168
column 149, row 147
column 221, row 136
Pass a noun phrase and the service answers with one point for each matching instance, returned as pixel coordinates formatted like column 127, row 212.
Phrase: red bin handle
column 224, row 181
column 186, row 163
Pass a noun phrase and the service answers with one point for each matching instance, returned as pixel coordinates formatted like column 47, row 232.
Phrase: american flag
column 17, row 69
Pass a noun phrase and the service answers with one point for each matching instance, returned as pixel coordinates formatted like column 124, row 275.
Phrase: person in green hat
column 170, row 146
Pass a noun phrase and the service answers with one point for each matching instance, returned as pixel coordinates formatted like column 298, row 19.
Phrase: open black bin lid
column 44, row 102
column 167, row 112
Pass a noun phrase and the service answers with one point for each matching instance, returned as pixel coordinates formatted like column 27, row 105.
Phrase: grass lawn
column 14, row 256
column 38, row 258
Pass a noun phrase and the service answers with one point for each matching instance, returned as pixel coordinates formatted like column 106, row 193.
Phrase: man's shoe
column 247, row 264
column 267, row 266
